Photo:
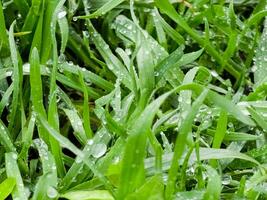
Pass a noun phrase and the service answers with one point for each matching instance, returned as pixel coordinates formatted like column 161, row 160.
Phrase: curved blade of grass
column 168, row 62
column 258, row 118
column 113, row 63
column 189, row 57
column 234, row 136
column 75, row 85
column 5, row 138
column 169, row 30
column 204, row 153
column 161, row 35
column 64, row 32
column 103, row 10
column 77, row 125
column 88, row 75
column 220, row 101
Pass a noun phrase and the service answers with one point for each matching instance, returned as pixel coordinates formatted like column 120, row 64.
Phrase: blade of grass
column 12, row 171
column 86, row 110
column 103, row 10
column 3, row 36
column 49, row 178
column 6, row 187
column 168, row 9
column 36, row 90
column 16, row 77
column 180, row 143
column 220, row 133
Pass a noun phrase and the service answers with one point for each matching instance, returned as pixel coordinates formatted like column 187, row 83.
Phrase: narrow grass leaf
column 180, row 143
column 88, row 195
column 12, row 171
column 48, row 181
column 135, row 149
column 104, row 9
column 6, row 187
column 3, row 36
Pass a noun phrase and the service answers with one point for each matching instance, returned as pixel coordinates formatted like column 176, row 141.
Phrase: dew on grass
column 61, row 14
column 62, row 58
column 226, row 179
column 79, row 159
column 99, row 150
column 14, row 156
column 51, row 192
column 86, row 34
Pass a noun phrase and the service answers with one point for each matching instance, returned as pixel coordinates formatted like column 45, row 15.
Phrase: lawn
column 133, row 100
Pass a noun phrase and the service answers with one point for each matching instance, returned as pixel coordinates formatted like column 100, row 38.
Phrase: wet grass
column 114, row 99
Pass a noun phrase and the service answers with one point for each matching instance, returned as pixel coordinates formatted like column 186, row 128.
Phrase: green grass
column 133, row 100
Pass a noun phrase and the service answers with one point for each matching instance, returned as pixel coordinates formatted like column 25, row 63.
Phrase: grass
column 113, row 99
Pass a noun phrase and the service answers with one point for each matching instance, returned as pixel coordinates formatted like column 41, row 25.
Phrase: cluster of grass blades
column 133, row 100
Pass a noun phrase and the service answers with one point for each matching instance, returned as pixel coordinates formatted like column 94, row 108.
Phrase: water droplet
column 90, row 142
column 106, row 46
column 51, row 192
column 79, row 123
column 75, row 19
column 116, row 160
column 226, row 179
column 49, row 62
column 86, row 34
column 83, row 69
column 214, row 73
column 156, row 74
column 61, row 14
column 14, row 156
column 254, row 68
column 128, row 51
column 79, row 159
column 61, row 58
column 99, row 150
